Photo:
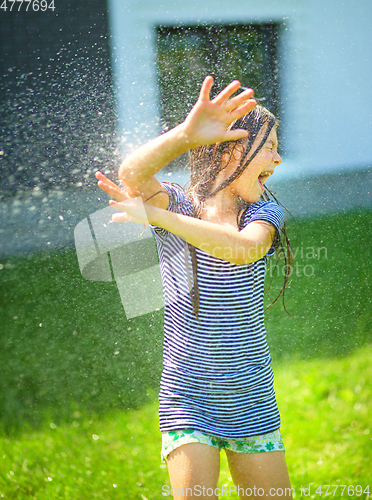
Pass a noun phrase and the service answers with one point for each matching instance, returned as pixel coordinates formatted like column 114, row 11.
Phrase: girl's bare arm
column 137, row 172
column 223, row 242
column 207, row 123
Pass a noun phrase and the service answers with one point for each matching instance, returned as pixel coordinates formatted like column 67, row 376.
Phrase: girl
column 213, row 241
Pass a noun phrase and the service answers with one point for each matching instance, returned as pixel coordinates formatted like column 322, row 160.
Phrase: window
column 185, row 55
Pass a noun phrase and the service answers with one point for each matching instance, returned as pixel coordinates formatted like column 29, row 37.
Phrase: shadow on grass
column 67, row 346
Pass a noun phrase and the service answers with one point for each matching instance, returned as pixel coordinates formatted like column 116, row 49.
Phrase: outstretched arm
column 223, row 242
column 207, row 123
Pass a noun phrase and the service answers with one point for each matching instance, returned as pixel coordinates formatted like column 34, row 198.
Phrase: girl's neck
column 222, row 207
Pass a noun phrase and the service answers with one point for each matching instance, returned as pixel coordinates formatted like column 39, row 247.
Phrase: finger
column 206, row 88
column 101, row 177
column 243, row 110
column 235, row 135
column 102, row 185
column 120, row 218
column 107, row 182
column 227, row 92
column 117, row 204
column 115, row 192
column 123, row 205
column 112, row 190
column 238, row 100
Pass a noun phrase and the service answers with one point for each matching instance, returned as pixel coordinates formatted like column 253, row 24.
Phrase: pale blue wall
column 326, row 73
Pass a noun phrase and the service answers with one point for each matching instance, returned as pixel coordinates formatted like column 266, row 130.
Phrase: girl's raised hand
column 209, row 120
column 110, row 187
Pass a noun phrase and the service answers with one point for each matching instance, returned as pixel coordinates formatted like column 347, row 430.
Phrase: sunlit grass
column 325, row 408
column 78, row 419
column 330, row 293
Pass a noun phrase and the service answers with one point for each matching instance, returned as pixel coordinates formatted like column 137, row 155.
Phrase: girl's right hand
column 111, row 188
column 209, row 120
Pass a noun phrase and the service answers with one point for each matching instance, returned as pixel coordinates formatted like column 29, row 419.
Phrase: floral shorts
column 256, row 444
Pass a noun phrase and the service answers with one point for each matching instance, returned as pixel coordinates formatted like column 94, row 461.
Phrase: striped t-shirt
column 217, row 376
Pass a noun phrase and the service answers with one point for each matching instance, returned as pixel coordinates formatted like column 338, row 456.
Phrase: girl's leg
column 258, row 475
column 194, row 469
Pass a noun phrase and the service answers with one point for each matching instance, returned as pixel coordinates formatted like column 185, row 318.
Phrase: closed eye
column 271, row 145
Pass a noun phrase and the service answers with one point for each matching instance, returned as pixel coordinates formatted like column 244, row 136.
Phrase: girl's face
column 249, row 185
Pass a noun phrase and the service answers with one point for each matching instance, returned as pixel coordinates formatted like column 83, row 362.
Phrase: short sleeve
column 268, row 211
column 178, row 203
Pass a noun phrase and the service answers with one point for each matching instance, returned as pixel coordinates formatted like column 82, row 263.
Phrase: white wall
column 325, row 70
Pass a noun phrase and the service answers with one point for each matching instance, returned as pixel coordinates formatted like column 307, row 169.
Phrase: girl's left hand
column 134, row 211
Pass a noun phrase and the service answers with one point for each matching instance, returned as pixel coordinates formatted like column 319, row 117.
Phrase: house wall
column 325, row 73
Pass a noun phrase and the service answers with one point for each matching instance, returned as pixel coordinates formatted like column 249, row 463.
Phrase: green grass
column 330, row 294
column 325, row 408
column 66, row 341
column 60, row 337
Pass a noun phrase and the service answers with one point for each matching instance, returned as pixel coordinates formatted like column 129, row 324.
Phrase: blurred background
column 84, row 83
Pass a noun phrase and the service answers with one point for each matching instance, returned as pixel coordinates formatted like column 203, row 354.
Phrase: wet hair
column 206, row 162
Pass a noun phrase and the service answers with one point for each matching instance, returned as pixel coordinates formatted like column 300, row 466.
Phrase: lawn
column 325, row 408
column 78, row 381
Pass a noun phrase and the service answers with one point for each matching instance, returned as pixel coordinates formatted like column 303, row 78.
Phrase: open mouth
column 262, row 178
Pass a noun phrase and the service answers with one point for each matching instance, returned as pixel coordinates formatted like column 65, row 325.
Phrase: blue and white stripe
column 217, row 376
